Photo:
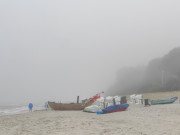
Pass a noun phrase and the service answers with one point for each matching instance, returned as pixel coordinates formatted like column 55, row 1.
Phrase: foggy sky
column 55, row 50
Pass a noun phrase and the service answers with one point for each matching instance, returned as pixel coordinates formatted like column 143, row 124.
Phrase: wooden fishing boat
column 74, row 106
column 164, row 101
column 70, row 106
column 115, row 108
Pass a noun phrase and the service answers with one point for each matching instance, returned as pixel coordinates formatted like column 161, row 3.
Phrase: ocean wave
column 10, row 110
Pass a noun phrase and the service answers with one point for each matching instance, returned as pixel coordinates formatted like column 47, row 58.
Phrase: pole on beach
column 104, row 106
column 104, row 103
column 114, row 102
column 77, row 99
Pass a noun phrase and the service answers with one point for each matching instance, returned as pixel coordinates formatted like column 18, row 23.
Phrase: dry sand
column 137, row 120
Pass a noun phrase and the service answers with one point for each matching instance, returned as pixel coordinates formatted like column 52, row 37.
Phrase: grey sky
column 55, row 50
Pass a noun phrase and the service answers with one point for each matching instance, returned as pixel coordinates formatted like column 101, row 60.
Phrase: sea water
column 18, row 109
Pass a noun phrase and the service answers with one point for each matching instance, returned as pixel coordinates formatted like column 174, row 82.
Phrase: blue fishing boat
column 115, row 108
column 164, row 101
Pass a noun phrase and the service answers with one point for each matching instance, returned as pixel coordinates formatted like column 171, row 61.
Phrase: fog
column 57, row 50
column 160, row 74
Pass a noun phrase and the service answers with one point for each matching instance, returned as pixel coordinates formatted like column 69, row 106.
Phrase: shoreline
column 159, row 119
column 136, row 120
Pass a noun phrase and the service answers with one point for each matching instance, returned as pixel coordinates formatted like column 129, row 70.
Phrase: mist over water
column 58, row 50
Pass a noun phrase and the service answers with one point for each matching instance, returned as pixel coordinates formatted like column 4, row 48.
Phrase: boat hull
column 164, row 101
column 115, row 108
column 72, row 106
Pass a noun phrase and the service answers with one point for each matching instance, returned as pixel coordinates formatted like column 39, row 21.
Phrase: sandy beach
column 137, row 120
column 89, row 67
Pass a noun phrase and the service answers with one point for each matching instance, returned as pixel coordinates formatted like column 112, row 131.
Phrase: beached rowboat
column 115, row 108
column 74, row 106
column 164, row 101
column 70, row 106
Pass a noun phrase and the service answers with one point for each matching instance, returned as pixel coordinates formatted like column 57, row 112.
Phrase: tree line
column 161, row 74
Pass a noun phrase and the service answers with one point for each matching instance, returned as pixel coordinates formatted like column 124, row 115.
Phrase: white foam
column 10, row 110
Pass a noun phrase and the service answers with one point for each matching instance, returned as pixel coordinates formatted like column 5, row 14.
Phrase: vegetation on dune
column 161, row 74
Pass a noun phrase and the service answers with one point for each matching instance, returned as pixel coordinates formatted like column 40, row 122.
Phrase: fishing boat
column 164, row 101
column 69, row 106
column 74, row 106
column 115, row 108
